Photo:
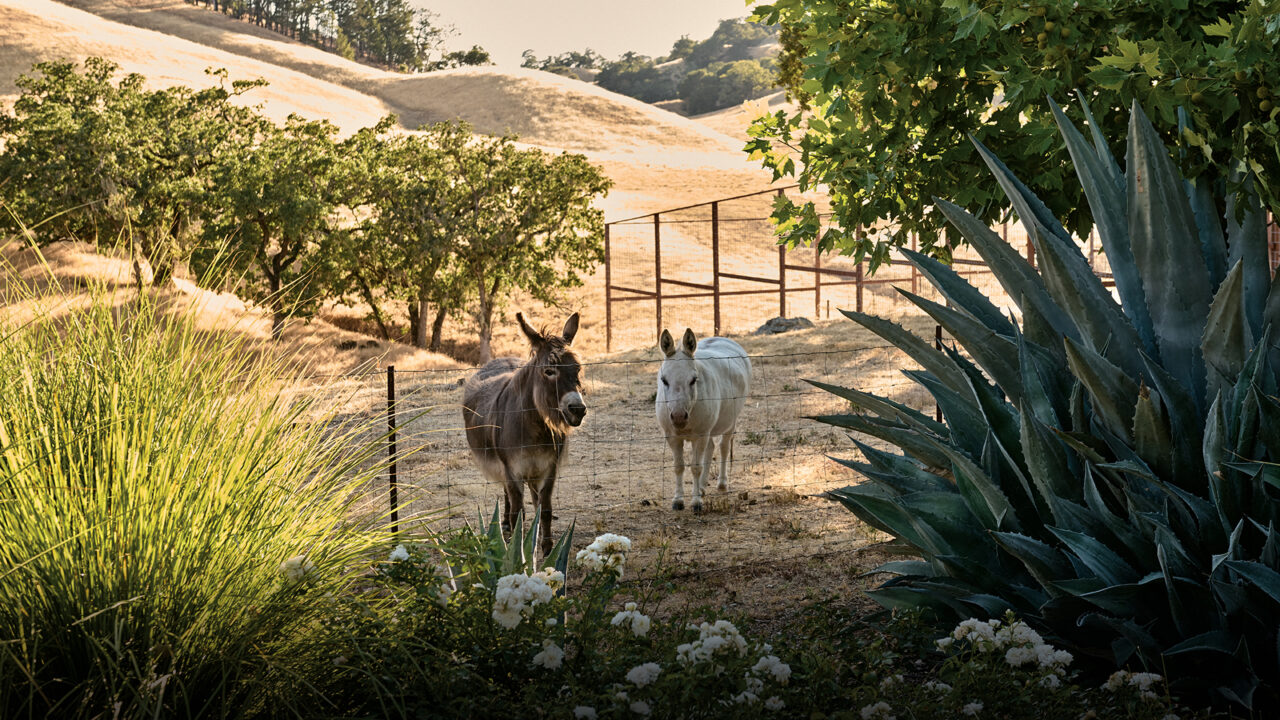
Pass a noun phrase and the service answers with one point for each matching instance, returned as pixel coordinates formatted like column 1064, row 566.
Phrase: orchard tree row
column 291, row 216
column 391, row 33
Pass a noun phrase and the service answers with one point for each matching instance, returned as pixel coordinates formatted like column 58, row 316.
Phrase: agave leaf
column 1131, row 636
column 1131, row 545
column 1166, row 249
column 960, row 293
column 1185, row 423
column 1262, row 577
column 872, row 506
column 1104, row 188
column 1046, row 459
column 1247, row 244
column 984, row 497
column 1227, row 337
column 1102, row 560
column 1213, row 641
column 1001, row 465
column 911, row 441
column 1043, row 389
column 1016, row 276
column 916, row 348
column 992, row 352
column 1269, row 427
column 1205, row 210
column 918, row 568
column 1112, row 393
column 903, row 467
column 916, row 596
column 1151, row 440
column 965, row 421
column 1045, row 563
column 884, row 408
column 559, row 557
column 1100, row 144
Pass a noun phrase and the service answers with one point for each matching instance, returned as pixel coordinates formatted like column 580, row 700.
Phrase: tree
column 681, row 49
column 636, row 76
column 94, row 159
column 731, row 40
column 274, row 201
column 723, row 85
column 897, row 88
column 530, row 224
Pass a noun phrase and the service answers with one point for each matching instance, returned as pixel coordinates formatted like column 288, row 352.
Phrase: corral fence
column 618, row 474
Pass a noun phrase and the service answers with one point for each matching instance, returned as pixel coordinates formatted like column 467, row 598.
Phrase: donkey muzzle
column 573, row 409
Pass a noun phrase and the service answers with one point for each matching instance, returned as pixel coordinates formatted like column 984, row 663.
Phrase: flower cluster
column 607, row 553
column 877, row 711
column 400, row 554
column 712, row 638
column 517, row 594
column 638, row 622
column 770, row 664
column 1020, row 643
column 645, row 674
column 550, row 656
column 1143, row 681
column 296, row 568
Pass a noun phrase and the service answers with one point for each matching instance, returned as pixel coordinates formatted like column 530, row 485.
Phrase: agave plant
column 1104, row 469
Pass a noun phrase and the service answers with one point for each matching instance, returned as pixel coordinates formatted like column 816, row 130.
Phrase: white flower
column 640, row 707
column 550, row 657
column 1051, row 682
column 1170, row 716
column 775, row 703
column 639, row 622
column 780, row 671
column 1117, row 680
column 1019, row 656
column 607, row 552
column 890, row 680
column 1143, row 681
column 642, row 675
column 517, row 594
column 584, row 712
column 746, row 697
column 340, row 660
column 551, row 622
column 296, row 568
column 399, row 554
column 972, row 709
column 944, row 644
column 937, row 686
column 878, row 711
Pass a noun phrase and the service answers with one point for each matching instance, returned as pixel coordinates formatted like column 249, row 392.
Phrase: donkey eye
column 691, row 382
column 549, row 372
column 665, row 383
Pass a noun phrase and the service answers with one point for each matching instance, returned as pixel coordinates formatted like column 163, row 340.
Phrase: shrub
column 169, row 526
column 1106, row 470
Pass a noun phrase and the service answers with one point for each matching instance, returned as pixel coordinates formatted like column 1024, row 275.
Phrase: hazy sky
column 506, row 28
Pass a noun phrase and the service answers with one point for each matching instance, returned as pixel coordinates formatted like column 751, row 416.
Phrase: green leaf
column 1227, row 337
column 929, row 357
column 1112, row 393
column 960, row 293
column 1099, row 558
column 1167, row 251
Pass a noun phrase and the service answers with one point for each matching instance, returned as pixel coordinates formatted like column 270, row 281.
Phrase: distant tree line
column 390, row 33
column 715, row 73
column 430, row 224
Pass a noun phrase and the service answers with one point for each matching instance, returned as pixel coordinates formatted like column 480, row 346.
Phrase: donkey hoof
column 677, row 504
column 697, row 507
column 722, row 486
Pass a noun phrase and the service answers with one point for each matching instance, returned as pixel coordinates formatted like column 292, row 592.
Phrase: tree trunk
column 486, row 323
column 436, row 328
column 414, row 319
column 420, row 336
column 367, row 292
column 277, row 324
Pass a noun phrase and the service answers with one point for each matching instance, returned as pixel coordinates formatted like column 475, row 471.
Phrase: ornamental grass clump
column 169, row 527
column 1106, row 469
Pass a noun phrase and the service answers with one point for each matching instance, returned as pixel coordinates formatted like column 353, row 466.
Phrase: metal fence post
column 782, row 281
column 391, row 446
column 608, row 293
column 657, row 271
column 715, row 264
column 937, row 344
column 817, row 280
column 858, row 273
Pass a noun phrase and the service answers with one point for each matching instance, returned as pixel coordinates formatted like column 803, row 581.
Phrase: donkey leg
column 726, row 452
column 702, row 448
column 544, row 515
column 677, row 449
column 514, row 506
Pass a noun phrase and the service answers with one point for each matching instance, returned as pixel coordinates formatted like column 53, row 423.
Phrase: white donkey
column 702, row 387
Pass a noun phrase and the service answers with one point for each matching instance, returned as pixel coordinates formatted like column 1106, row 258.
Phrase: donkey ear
column 534, row 336
column 667, row 343
column 570, row 329
column 689, row 341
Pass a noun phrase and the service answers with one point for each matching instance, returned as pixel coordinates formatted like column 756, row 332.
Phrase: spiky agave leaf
column 1109, row 471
